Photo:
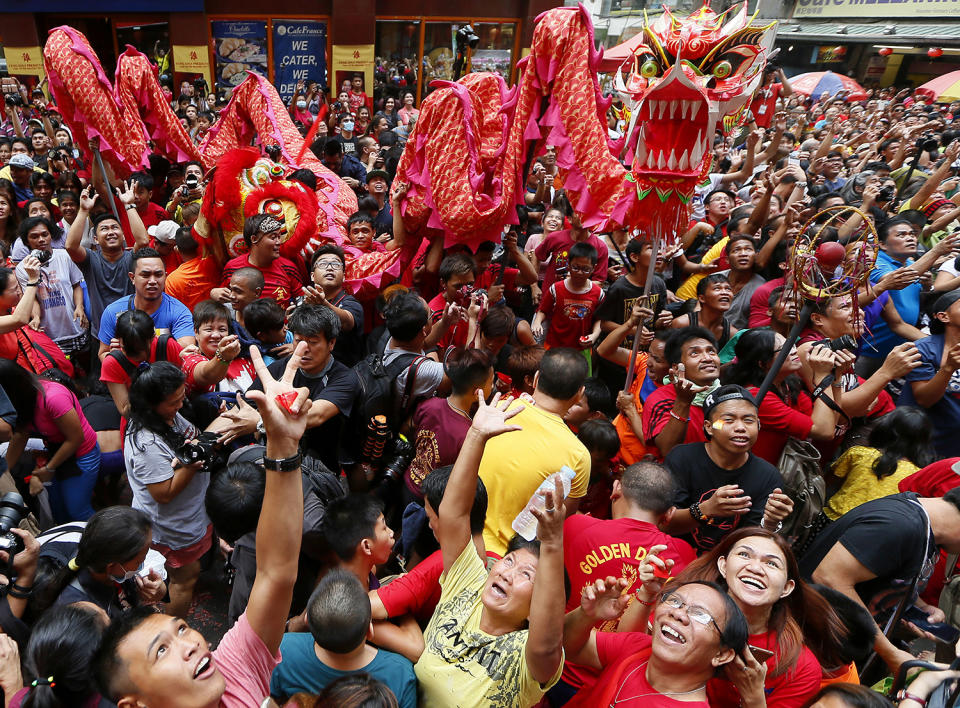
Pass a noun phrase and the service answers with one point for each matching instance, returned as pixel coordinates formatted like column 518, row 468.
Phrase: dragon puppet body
column 467, row 155
column 131, row 118
column 464, row 162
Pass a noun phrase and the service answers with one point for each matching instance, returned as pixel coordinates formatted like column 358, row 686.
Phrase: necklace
column 617, row 699
column 459, row 410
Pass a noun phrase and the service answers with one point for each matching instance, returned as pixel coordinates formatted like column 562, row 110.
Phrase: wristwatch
column 287, row 464
column 261, row 431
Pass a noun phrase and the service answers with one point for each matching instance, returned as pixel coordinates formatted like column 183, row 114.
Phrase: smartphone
column 761, row 655
column 793, row 160
column 943, row 631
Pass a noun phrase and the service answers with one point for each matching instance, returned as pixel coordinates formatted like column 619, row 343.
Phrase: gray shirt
column 106, row 282
column 429, row 374
column 182, row 521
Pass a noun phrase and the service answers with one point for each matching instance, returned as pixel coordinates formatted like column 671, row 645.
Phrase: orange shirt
column 191, row 282
column 632, row 449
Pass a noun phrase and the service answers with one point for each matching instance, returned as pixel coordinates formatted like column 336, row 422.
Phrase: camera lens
column 11, row 511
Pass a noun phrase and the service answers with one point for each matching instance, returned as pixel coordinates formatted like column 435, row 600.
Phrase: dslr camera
column 12, row 511
column 204, row 449
column 930, row 145
column 403, row 452
column 190, row 184
column 42, row 256
column 886, row 194
column 13, row 99
column 464, row 295
column 844, row 341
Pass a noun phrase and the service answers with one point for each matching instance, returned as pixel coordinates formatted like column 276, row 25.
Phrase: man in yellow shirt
column 515, row 464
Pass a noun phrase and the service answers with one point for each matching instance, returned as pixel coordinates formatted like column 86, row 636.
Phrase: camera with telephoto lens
column 204, row 449
column 42, row 256
column 397, row 465
column 12, row 511
column 13, row 99
column 844, row 341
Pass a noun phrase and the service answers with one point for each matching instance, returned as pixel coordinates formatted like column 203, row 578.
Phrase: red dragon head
column 689, row 76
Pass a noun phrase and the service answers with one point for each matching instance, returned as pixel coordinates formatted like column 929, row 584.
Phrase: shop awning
column 925, row 33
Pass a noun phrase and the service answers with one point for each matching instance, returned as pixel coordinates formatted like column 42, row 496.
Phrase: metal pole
column 651, row 272
column 106, row 182
column 792, row 338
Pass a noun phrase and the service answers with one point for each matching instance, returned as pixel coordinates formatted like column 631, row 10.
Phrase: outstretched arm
column 281, row 517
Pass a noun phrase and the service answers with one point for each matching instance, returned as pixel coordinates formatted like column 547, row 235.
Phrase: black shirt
column 349, row 350
column 698, row 477
column 337, row 384
column 888, row 536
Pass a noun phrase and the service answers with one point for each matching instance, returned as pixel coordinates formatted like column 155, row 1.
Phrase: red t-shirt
column 765, row 104
column 759, row 303
column 555, row 248
column 597, row 549
column 571, row 314
column 113, row 372
column 791, row 689
column 622, row 684
column 779, row 421
column 359, row 99
column 488, row 278
column 240, row 372
column 152, row 215
column 656, row 415
column 457, row 334
column 934, row 480
column 282, row 280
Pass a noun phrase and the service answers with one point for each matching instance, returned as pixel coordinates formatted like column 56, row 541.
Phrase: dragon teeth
column 684, row 161
column 672, row 160
column 694, row 109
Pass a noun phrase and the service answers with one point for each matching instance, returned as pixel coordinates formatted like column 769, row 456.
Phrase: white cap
column 165, row 231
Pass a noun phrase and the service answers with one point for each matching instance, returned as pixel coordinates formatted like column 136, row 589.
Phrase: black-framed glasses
column 694, row 612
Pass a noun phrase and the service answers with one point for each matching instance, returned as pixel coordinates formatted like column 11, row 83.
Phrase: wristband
column 20, row 592
column 128, row 207
column 903, row 695
column 696, row 513
column 287, row 464
column 776, row 530
column 676, row 417
column 636, row 594
column 28, row 285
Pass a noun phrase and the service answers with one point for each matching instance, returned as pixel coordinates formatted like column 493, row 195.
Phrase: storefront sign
column 299, row 53
column 24, row 61
column 192, row 60
column 239, row 47
column 877, row 8
column 349, row 59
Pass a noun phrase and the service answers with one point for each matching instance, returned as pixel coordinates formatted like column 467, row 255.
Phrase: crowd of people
column 538, row 472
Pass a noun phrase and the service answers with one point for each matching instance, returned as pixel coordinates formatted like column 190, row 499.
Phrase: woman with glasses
column 789, row 410
column 794, row 631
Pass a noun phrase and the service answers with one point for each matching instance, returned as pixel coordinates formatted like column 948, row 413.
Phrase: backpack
column 129, row 367
column 800, row 468
column 377, row 397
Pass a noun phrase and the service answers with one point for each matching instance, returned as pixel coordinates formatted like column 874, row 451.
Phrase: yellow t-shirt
column 515, row 464
column 688, row 290
column 860, row 484
column 463, row 666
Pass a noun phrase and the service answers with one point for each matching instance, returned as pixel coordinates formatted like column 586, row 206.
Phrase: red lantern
column 885, row 51
column 934, row 52
column 839, row 51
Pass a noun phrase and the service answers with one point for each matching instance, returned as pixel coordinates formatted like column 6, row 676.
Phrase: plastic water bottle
column 526, row 523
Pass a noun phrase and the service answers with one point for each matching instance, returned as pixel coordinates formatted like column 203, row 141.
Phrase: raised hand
column 281, row 421
column 491, row 419
column 604, row 598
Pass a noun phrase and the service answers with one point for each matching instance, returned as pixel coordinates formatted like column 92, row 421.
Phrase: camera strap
column 831, row 404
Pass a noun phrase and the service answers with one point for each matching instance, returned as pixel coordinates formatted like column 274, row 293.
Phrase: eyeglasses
column 694, row 612
column 329, row 265
column 582, row 269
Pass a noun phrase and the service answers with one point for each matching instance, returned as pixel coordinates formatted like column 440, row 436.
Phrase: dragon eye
column 722, row 70
column 649, row 69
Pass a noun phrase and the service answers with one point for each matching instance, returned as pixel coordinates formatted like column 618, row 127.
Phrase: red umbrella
column 815, row 83
column 615, row 56
column 943, row 88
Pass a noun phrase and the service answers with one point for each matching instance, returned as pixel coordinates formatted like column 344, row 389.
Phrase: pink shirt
column 246, row 664
column 54, row 402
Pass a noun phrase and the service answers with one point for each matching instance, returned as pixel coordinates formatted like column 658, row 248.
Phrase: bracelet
column 676, row 417
column 636, row 594
column 776, row 530
column 903, row 695
column 219, row 355
column 695, row 512
column 128, row 207
column 28, row 285
column 287, row 464
column 19, row 592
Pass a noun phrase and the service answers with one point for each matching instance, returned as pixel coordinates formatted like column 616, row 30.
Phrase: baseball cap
column 165, row 231
column 374, row 174
column 21, row 160
column 730, row 392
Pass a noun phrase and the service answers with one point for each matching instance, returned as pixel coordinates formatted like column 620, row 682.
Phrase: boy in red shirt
column 571, row 304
